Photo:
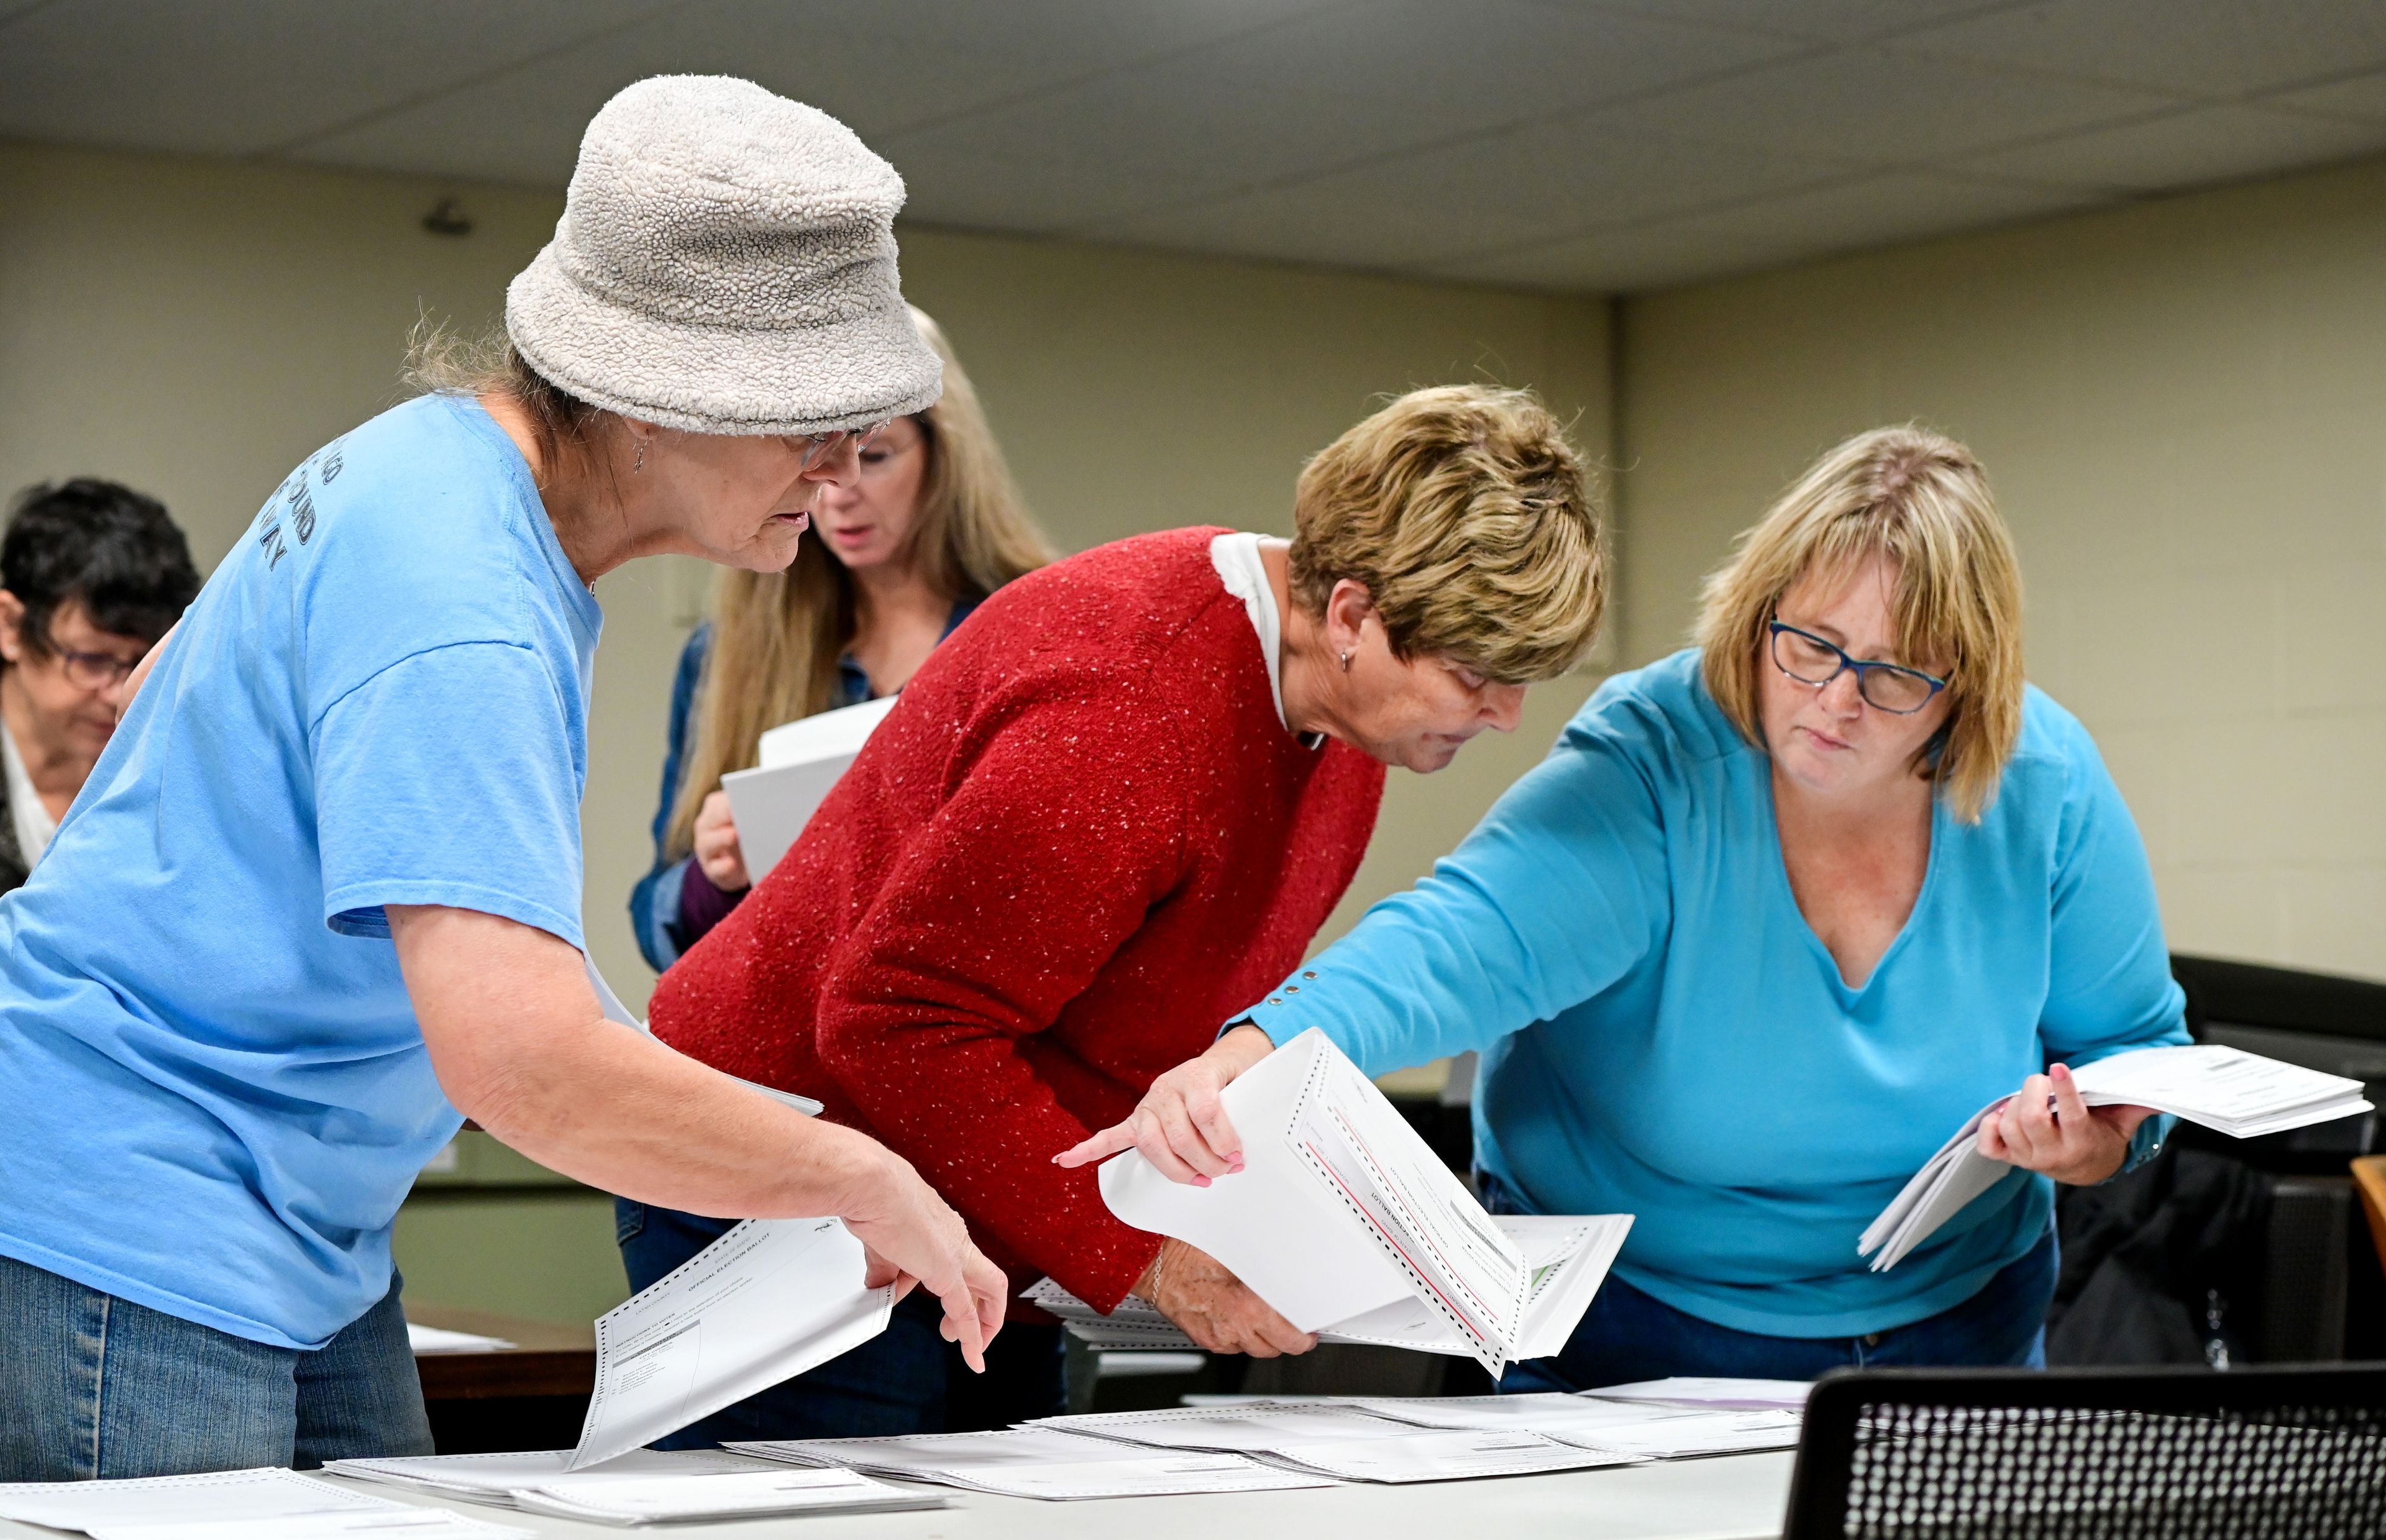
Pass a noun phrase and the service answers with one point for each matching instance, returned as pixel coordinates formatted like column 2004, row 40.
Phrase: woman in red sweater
column 1112, row 810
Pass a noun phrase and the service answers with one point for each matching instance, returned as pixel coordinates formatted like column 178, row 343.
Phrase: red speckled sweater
column 1082, row 841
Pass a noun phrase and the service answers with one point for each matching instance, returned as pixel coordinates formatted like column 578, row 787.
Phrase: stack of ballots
column 1265, row 1444
column 1348, row 1223
column 643, row 1487
column 2238, row 1094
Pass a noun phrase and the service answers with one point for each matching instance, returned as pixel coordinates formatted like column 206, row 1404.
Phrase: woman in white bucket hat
column 320, row 898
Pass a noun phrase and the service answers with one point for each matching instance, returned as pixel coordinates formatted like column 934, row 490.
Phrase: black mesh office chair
column 2137, row 1454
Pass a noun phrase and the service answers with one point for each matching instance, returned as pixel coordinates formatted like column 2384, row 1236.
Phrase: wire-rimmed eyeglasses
column 1891, row 688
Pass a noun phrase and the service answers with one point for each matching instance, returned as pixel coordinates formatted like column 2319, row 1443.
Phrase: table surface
column 1730, row 1497
column 546, row 1359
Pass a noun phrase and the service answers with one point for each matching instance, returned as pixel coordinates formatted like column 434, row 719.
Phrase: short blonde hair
column 1921, row 500
column 1464, row 513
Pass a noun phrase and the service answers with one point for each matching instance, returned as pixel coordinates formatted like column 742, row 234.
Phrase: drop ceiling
column 1564, row 144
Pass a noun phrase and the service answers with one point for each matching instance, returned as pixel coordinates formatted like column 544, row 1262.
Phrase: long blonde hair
column 777, row 637
column 1921, row 500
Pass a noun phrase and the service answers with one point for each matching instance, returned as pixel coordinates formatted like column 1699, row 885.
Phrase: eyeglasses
column 818, row 447
column 95, row 670
column 1809, row 659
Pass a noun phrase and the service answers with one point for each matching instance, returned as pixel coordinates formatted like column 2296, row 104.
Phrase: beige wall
column 2183, row 407
column 197, row 327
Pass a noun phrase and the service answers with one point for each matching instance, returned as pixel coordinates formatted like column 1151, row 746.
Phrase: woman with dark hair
column 92, row 574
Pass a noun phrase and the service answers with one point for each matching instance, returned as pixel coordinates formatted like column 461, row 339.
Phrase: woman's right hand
column 716, row 845
column 1215, row 1308
column 912, row 1234
column 1181, row 1125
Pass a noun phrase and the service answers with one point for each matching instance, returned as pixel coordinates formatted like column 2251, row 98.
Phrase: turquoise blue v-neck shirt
column 217, row 1091
column 1663, row 1035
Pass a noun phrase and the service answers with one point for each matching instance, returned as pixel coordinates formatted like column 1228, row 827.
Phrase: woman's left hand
column 2067, row 1139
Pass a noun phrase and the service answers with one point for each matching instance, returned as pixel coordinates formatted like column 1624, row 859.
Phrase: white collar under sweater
column 1237, row 557
column 32, row 821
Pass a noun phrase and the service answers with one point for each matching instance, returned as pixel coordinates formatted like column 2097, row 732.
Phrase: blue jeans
column 95, row 1386
column 907, row 1380
column 1627, row 1336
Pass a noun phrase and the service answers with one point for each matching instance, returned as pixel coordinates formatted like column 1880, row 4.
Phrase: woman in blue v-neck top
column 1777, row 914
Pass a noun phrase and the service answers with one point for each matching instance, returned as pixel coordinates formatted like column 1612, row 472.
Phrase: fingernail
column 1200, row 1181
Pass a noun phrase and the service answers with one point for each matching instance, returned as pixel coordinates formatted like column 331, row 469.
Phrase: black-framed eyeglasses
column 95, row 670
column 1891, row 688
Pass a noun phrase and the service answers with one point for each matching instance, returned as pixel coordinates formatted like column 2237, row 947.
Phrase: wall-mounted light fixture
column 448, row 218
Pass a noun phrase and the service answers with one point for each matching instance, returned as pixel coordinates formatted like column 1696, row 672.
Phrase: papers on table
column 801, row 762
column 496, row 1478
column 395, row 1523
column 763, row 1303
column 751, row 1494
column 1654, row 1431
column 1701, row 1391
column 1347, row 1223
column 136, row 1508
column 433, row 1339
column 1040, row 1462
column 610, row 1004
column 2239, row 1094
column 1345, row 1440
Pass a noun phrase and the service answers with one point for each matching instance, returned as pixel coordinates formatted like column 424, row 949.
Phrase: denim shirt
column 654, row 902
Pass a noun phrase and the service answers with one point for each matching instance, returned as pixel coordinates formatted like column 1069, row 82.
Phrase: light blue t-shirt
column 1663, row 1035
column 217, row 1092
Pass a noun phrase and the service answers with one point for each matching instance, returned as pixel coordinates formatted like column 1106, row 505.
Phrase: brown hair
column 777, row 637
column 1921, row 500
column 1463, row 512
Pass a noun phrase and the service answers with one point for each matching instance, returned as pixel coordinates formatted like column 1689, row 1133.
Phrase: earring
column 638, row 462
column 1346, row 661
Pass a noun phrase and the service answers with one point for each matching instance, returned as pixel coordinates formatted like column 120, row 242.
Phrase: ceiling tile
column 1520, row 187
column 1868, row 105
column 1886, row 209
column 1484, row 63
column 2211, row 143
column 2361, row 96
column 2213, row 49
column 235, row 79
column 1826, row 20
column 1615, row 261
column 881, row 67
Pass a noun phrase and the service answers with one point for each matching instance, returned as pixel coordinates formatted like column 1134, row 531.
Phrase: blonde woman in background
column 1775, row 914
column 901, row 557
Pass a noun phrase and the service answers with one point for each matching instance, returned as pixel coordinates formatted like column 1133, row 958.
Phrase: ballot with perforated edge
column 2229, row 1090
column 1346, row 1221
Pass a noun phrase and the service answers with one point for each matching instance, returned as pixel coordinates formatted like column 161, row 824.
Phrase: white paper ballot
column 1347, row 1223
column 1657, row 1431
column 425, row 1340
column 1701, row 1391
column 2239, row 1094
column 766, row 1301
column 495, row 1478
column 1044, row 1463
column 1248, row 1429
column 801, row 763
column 697, row 1499
column 610, row 1004
column 398, row 1523
column 218, row 1496
column 1418, row 1455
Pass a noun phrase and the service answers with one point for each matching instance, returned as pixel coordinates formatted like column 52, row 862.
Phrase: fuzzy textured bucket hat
column 725, row 264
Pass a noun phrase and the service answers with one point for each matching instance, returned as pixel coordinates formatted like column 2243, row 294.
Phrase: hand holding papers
column 2239, row 1094
column 766, row 1301
column 801, row 762
column 1344, row 1220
